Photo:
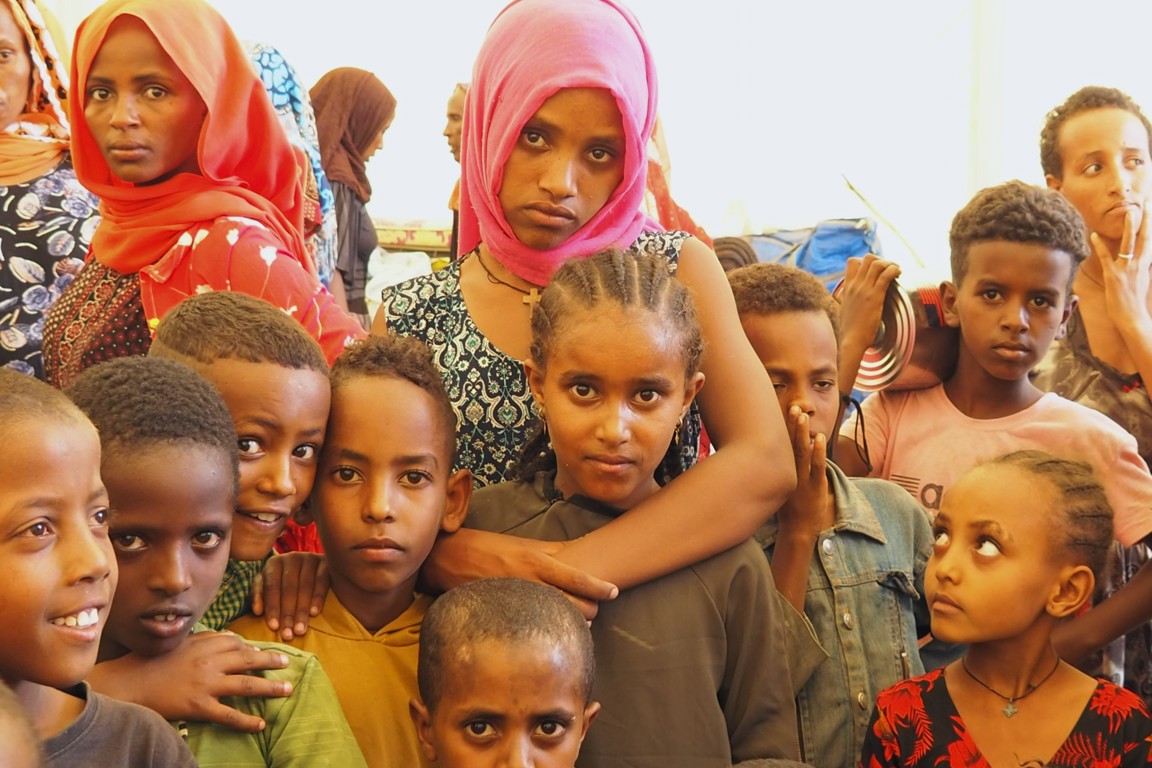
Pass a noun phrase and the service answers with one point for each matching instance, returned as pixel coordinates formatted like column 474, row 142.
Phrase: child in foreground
column 691, row 666
column 22, row 748
column 505, row 674
column 1020, row 542
column 59, row 577
column 384, row 491
column 171, row 531
column 1015, row 249
column 848, row 552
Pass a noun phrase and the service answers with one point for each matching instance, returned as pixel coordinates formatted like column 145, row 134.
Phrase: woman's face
column 1104, row 153
column 15, row 69
column 455, row 124
column 568, row 161
column 143, row 113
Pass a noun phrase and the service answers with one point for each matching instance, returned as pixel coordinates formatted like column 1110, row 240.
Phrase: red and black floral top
column 915, row 724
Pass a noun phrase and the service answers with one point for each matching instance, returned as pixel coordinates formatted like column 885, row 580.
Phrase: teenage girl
column 1020, row 542
column 560, row 110
column 705, row 641
column 198, row 183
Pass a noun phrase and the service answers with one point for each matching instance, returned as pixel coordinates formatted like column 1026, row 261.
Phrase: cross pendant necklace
column 531, row 295
column 1010, row 708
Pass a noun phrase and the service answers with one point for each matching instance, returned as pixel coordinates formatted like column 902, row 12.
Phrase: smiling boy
column 384, row 492
column 1015, row 250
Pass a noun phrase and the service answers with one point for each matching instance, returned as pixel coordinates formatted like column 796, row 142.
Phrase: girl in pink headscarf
column 561, row 107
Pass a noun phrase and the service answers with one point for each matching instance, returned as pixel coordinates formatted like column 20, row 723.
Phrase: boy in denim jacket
column 849, row 553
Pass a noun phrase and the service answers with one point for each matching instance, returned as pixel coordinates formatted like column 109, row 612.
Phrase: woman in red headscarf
column 353, row 110
column 199, row 186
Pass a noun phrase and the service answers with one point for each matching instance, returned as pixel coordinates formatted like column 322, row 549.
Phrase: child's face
column 504, row 706
column 280, row 415
column 612, row 408
column 58, row 566
column 565, row 166
column 148, row 129
column 170, row 532
column 1105, row 160
column 1009, row 306
column 992, row 572
column 385, row 489
column 803, row 374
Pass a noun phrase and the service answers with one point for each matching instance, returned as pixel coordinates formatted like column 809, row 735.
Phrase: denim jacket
column 865, row 579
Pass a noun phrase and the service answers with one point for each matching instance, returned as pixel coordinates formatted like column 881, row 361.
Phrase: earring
column 676, row 433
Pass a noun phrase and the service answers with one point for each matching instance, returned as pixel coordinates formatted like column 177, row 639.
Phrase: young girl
column 199, row 185
column 560, row 110
column 1020, row 542
column 705, row 641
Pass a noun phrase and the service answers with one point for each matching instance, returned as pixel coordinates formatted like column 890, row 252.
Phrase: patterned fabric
column 1072, row 371
column 234, row 599
column 45, row 228
column 228, row 254
column 98, row 318
column 295, row 110
column 916, row 724
column 487, row 387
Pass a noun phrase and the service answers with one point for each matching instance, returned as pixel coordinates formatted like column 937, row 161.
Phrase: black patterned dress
column 488, row 389
column 916, row 725
column 46, row 226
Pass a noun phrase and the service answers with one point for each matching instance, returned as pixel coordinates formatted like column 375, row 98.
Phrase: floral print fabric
column 915, row 724
column 46, row 226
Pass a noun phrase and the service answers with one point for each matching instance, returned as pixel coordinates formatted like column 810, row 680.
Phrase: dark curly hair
column 138, row 401
column 629, row 281
column 509, row 611
column 225, row 325
column 1019, row 213
column 1082, row 529
column 769, row 289
column 1086, row 99
column 398, row 357
column 23, row 398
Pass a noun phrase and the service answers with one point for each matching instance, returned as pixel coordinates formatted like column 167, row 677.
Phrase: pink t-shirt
column 922, row 442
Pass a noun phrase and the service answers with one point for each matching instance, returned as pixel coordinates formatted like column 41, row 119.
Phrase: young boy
column 870, row 540
column 512, row 661
column 274, row 379
column 59, row 576
column 384, row 492
column 170, row 532
column 1015, row 250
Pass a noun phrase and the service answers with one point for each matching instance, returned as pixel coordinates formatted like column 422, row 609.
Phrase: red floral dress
column 915, row 724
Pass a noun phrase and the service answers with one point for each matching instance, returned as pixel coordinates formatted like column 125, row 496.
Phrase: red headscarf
column 248, row 168
column 535, row 48
column 352, row 107
column 33, row 145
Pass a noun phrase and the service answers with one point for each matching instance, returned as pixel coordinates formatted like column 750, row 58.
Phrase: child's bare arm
column 289, row 591
column 804, row 515
column 1127, row 609
column 188, row 683
column 866, row 282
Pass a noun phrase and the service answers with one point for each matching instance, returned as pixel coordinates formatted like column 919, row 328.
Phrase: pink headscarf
column 535, row 48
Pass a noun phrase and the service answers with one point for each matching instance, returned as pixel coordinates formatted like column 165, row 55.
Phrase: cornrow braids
column 1084, row 528
column 1018, row 213
column 630, row 281
column 1084, row 100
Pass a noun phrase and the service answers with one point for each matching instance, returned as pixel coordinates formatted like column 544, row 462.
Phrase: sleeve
column 756, row 691
column 1128, row 486
column 868, row 427
column 308, row 729
column 250, row 260
column 347, row 227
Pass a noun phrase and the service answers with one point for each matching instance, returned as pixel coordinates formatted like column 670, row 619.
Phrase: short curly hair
column 24, row 398
column 139, row 401
column 504, row 610
column 1018, row 213
column 769, row 289
column 226, row 325
column 398, row 357
column 1086, row 99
